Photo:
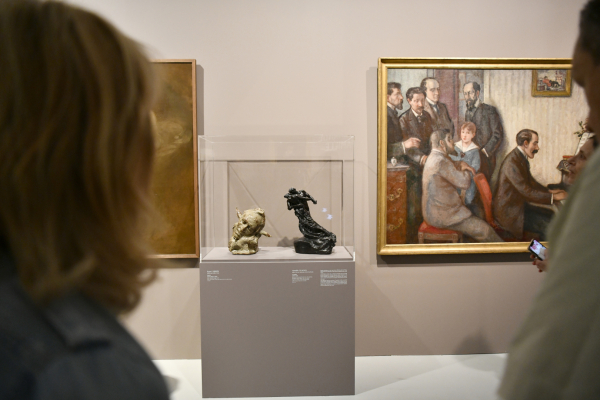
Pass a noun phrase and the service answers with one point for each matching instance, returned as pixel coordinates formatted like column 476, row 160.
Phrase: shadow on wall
column 494, row 363
column 478, row 344
column 199, row 100
column 474, row 344
column 381, row 329
column 172, row 383
column 421, row 259
column 287, row 242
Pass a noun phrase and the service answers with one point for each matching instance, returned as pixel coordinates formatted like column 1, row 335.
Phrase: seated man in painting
column 575, row 166
column 516, row 189
column 442, row 205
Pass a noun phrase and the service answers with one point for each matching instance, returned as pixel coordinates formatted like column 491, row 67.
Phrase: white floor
column 464, row 377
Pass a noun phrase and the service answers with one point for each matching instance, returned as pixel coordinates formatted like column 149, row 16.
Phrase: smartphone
column 537, row 249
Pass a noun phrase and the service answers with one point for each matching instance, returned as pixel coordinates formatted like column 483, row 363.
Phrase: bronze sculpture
column 316, row 240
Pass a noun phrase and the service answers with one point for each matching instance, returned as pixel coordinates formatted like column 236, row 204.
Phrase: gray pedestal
column 279, row 328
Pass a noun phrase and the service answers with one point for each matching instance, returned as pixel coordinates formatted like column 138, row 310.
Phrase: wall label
column 214, row 276
column 301, row 275
column 334, row 277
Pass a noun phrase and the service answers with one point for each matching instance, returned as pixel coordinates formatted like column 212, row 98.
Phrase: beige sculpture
column 247, row 231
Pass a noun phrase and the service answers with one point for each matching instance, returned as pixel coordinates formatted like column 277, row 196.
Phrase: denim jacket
column 70, row 349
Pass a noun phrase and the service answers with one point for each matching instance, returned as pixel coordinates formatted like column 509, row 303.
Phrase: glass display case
column 247, row 172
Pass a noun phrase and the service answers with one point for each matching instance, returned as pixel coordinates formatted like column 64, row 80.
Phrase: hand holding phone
column 537, row 249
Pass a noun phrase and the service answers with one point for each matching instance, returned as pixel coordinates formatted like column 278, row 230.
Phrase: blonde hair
column 470, row 126
column 76, row 152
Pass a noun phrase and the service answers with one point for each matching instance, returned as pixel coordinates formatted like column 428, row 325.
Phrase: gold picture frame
column 505, row 84
column 174, row 232
column 551, row 82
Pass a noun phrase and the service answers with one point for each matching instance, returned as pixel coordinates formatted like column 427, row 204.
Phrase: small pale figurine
column 247, row 231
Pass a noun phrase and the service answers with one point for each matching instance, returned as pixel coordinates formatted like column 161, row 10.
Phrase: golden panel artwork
column 174, row 233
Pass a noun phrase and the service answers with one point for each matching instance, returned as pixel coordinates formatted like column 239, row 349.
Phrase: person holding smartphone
column 576, row 165
column 556, row 352
column 539, row 255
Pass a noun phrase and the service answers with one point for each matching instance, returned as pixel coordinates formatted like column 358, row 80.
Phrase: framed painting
column 468, row 156
column 174, row 230
column 551, row 82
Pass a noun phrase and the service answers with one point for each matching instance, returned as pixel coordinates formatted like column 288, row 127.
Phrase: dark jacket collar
column 479, row 107
column 74, row 317
column 412, row 117
column 521, row 156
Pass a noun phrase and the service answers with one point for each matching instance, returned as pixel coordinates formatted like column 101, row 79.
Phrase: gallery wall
column 310, row 67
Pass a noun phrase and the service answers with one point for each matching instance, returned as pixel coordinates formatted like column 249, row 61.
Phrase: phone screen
column 538, row 249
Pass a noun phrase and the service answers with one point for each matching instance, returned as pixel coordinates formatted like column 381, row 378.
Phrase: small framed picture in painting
column 551, row 82
column 173, row 232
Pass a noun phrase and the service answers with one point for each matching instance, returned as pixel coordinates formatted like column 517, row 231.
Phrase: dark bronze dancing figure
column 316, row 240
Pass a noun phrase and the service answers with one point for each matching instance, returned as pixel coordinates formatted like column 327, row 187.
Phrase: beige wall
column 310, row 67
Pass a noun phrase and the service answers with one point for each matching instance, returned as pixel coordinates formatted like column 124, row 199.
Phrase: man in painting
column 442, row 205
column 547, row 82
column 516, row 188
column 415, row 122
column 489, row 127
column 396, row 145
column 575, row 167
column 556, row 353
column 436, row 110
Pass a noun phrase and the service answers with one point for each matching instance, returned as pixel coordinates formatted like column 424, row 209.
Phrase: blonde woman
column 76, row 151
